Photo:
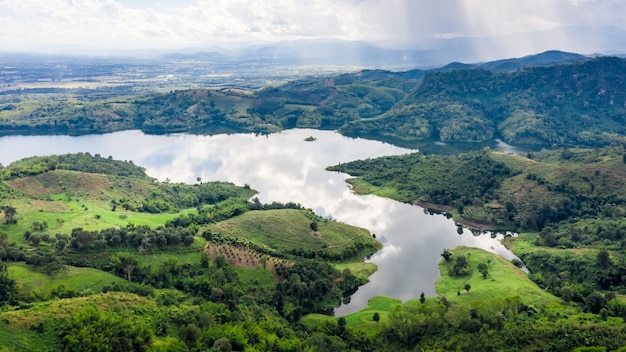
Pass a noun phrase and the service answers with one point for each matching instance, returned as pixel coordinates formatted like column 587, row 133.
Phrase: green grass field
column 288, row 229
column 604, row 169
column 504, row 280
column 360, row 186
column 64, row 215
column 363, row 319
column 76, row 279
column 66, row 200
column 257, row 277
column 182, row 255
column 359, row 269
column 524, row 244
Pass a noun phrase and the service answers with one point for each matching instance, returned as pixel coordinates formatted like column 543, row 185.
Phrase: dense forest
column 580, row 103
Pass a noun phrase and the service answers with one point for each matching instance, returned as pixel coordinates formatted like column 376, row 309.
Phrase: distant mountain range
column 439, row 52
column 547, row 58
column 313, row 52
column 359, row 54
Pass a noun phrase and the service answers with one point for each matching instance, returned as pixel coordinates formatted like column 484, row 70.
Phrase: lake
column 284, row 167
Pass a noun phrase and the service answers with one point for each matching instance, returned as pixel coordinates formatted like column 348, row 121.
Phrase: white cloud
column 125, row 24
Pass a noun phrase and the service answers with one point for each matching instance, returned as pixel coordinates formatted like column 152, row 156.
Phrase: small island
column 310, row 139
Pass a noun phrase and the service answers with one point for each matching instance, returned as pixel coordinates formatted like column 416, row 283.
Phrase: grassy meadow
column 76, row 279
column 290, row 229
column 503, row 280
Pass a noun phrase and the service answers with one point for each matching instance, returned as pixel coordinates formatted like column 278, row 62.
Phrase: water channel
column 284, row 167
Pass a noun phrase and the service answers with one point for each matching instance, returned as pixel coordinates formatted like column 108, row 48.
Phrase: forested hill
column 573, row 103
column 494, row 188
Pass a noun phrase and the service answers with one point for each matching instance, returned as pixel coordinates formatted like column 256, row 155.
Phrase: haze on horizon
column 495, row 28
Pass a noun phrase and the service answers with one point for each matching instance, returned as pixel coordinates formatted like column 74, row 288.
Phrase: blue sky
column 105, row 25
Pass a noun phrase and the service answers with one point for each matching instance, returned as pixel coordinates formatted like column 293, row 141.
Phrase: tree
column 603, row 260
column 99, row 330
column 222, row 344
column 422, row 297
column 82, row 240
column 314, row 226
column 594, row 302
column 461, row 267
column 446, row 254
column 9, row 214
column 128, row 270
column 322, row 342
column 467, row 287
column 61, row 243
column 341, row 322
column 189, row 334
column 376, row 317
column 484, row 269
column 341, row 326
column 8, row 287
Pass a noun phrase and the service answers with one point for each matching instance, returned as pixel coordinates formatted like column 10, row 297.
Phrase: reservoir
column 284, row 167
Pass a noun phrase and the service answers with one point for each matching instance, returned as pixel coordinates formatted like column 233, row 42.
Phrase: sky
column 511, row 25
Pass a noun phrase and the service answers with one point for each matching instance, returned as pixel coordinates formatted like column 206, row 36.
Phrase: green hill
column 549, row 99
column 73, row 281
column 502, row 280
column 290, row 230
column 579, row 104
column 496, row 188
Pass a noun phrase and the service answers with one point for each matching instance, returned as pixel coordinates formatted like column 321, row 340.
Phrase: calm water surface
column 283, row 167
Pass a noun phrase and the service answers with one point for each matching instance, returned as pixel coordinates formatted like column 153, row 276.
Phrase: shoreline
column 445, row 209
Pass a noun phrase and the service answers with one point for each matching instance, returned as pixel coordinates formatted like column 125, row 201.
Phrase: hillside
column 94, row 254
column 292, row 230
column 572, row 200
column 580, row 104
column 548, row 99
column 489, row 187
column 92, row 247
